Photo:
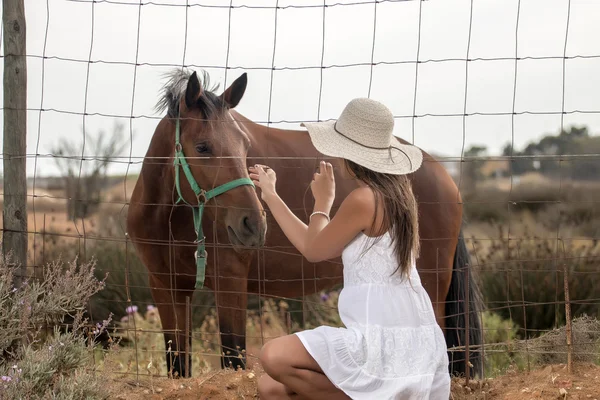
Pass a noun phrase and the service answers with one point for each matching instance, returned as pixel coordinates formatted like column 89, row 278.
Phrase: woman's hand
column 265, row 179
column 323, row 187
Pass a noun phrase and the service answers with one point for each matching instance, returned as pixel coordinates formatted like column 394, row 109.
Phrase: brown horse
column 247, row 251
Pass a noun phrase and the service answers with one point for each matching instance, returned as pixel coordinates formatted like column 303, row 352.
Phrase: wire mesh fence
column 471, row 83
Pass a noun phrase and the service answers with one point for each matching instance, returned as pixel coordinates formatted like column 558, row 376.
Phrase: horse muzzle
column 249, row 230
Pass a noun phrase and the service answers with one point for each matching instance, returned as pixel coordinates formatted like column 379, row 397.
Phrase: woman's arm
column 296, row 230
column 320, row 239
column 325, row 241
column 292, row 227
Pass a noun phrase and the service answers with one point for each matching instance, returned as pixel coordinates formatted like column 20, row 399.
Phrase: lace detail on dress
column 389, row 353
column 366, row 261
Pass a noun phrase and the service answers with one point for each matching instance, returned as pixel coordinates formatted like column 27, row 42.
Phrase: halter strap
column 202, row 196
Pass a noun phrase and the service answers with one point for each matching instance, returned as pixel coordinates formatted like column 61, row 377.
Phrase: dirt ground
column 550, row 382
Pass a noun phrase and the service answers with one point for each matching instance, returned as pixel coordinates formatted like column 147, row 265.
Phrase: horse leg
column 171, row 308
column 232, row 302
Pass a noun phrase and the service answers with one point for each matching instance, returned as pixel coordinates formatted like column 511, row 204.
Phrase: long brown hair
column 400, row 212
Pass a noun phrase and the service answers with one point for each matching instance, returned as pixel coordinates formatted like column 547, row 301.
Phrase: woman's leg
column 286, row 361
column 270, row 389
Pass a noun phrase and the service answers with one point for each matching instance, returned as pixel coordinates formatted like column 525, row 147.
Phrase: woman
column 391, row 346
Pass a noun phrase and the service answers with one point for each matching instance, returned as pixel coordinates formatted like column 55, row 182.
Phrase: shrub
column 36, row 364
column 551, row 348
column 522, row 279
column 499, row 336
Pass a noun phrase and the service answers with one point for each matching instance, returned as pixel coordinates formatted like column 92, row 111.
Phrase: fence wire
column 504, row 251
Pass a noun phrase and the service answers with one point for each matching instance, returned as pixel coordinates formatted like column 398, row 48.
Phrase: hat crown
column 367, row 122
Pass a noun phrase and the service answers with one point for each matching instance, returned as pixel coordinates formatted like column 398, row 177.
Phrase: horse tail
column 455, row 315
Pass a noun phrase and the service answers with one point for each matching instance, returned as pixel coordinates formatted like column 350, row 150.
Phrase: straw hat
column 363, row 134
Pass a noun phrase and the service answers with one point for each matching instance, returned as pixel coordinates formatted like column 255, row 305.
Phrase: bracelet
column 320, row 212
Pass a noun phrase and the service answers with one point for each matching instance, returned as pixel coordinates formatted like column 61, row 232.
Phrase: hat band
column 372, row 147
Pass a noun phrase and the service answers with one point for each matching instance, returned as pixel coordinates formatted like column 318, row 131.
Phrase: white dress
column 391, row 346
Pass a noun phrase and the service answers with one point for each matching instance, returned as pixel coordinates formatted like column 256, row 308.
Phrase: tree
column 586, row 167
column 564, row 148
column 519, row 165
column 86, row 176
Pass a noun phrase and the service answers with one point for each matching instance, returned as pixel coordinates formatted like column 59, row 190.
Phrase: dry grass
column 140, row 330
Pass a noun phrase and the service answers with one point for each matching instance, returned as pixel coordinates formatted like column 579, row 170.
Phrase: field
column 522, row 238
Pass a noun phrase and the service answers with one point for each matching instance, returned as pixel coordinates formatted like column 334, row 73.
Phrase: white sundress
column 391, row 346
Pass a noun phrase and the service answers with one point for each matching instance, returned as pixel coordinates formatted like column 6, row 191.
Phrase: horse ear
column 193, row 91
column 235, row 92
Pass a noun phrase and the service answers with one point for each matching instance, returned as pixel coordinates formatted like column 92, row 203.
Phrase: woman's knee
column 272, row 358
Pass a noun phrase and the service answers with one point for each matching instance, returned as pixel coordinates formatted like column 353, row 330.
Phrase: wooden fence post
column 14, row 229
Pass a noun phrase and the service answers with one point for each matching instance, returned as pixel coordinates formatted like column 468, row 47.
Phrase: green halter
column 202, row 196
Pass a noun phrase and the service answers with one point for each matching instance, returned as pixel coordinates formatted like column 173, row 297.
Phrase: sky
column 254, row 36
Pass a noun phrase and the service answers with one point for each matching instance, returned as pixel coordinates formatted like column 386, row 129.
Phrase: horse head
column 215, row 147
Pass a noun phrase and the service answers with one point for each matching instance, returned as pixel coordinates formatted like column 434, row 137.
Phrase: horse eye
column 202, row 148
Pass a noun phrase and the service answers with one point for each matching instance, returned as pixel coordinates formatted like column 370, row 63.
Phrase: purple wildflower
column 6, row 378
column 150, row 307
column 324, row 296
column 131, row 309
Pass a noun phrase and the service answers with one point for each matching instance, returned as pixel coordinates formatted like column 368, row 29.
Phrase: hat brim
column 397, row 160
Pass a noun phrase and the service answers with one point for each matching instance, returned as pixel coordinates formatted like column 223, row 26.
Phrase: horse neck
column 157, row 168
column 268, row 141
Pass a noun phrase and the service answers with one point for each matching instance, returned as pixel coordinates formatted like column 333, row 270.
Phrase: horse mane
column 174, row 89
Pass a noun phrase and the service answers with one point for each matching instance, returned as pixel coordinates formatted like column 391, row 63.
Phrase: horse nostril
column 248, row 225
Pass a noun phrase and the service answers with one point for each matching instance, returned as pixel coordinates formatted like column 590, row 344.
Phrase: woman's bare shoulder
column 361, row 200
column 364, row 201
column 363, row 194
